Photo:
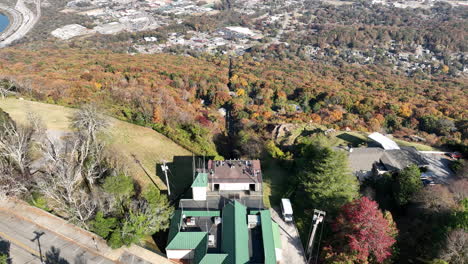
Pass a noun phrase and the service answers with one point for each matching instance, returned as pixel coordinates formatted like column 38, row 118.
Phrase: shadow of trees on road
column 53, row 257
column 5, row 250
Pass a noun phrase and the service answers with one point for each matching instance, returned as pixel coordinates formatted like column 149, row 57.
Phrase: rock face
column 286, row 134
column 282, row 130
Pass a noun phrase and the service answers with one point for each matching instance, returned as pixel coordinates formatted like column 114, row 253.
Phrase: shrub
column 120, row 185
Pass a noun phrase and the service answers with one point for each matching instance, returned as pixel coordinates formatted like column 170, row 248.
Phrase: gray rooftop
column 362, row 159
column 234, row 171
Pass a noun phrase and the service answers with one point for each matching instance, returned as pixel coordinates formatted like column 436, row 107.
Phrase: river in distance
column 3, row 22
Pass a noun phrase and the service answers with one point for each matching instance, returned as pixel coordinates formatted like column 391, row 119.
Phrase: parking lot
column 439, row 167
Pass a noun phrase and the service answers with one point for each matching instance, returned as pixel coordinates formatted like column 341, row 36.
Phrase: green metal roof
column 182, row 240
column 276, row 235
column 176, row 221
column 186, row 240
column 201, row 180
column 201, row 249
column 235, row 234
column 268, row 238
column 214, row 259
column 202, row 213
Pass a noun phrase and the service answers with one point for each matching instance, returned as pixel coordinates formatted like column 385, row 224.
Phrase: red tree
column 363, row 233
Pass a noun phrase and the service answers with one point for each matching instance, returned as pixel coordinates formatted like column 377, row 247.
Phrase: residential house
column 386, row 157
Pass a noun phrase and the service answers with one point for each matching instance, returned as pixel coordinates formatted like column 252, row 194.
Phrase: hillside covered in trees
column 180, row 96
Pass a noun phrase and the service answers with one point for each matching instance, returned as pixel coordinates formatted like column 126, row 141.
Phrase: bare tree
column 456, row 251
column 15, row 142
column 88, row 122
column 6, row 88
column 436, row 198
column 459, row 189
column 11, row 183
column 62, row 181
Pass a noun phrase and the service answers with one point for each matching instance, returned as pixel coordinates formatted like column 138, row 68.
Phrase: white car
column 286, row 210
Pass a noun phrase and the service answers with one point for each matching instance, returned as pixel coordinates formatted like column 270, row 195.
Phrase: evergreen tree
column 120, row 185
column 325, row 178
column 103, row 226
column 407, row 184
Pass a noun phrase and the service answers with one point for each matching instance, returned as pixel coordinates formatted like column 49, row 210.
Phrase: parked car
column 286, row 210
column 455, row 155
column 427, row 182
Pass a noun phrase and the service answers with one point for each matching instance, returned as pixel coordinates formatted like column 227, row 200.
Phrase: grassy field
column 141, row 148
column 275, row 182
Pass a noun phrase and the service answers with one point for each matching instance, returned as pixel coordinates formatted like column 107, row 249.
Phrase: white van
column 286, row 210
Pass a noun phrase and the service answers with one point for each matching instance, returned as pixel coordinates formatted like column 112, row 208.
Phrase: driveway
column 439, row 167
column 293, row 251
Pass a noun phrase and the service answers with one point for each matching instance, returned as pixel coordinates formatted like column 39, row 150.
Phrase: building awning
column 384, row 141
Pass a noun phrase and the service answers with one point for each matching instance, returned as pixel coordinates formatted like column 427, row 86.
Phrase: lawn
column 275, row 182
column 140, row 148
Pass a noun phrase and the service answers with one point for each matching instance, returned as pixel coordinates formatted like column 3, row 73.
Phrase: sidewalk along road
column 26, row 242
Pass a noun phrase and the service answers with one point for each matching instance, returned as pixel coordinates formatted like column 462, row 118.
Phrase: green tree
column 407, row 183
column 438, row 261
column 142, row 220
column 273, row 150
column 459, row 218
column 325, row 178
column 103, row 226
column 428, row 124
column 3, row 259
column 120, row 185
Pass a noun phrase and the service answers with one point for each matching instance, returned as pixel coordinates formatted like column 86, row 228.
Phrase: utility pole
column 164, row 168
column 193, row 167
column 37, row 237
column 316, row 220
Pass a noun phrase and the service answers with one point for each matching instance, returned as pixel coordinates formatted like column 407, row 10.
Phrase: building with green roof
column 225, row 221
column 224, row 237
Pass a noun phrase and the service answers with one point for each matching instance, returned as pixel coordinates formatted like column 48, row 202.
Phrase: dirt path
column 23, row 20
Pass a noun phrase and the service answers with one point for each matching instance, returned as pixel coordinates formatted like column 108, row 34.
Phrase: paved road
column 15, row 21
column 292, row 249
column 26, row 242
column 29, row 19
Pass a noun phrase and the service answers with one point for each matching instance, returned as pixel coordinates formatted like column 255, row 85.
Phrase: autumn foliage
column 363, row 234
column 170, row 90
